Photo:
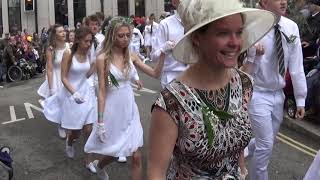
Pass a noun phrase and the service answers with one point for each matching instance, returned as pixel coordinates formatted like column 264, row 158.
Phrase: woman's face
column 71, row 37
column 85, row 43
column 221, row 43
column 123, row 36
column 60, row 33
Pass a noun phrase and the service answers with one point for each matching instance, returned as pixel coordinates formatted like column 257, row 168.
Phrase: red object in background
column 288, row 89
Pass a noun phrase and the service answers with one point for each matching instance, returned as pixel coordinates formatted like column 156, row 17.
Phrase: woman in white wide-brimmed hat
column 200, row 122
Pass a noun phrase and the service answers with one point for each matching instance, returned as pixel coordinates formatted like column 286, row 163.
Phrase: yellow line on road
column 296, row 147
column 297, row 143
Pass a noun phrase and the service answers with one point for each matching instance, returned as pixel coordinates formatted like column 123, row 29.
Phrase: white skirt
column 62, row 109
column 124, row 133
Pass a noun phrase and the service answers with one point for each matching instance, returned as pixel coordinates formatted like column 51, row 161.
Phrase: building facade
column 19, row 15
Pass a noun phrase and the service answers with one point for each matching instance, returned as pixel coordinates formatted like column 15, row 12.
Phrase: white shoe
column 62, row 133
column 101, row 173
column 91, row 167
column 69, row 150
column 122, row 159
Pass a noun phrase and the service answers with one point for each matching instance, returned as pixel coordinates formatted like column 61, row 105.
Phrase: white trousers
column 266, row 115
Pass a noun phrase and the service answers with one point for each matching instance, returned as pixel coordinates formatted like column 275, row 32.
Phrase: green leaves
column 112, row 80
column 208, row 126
column 211, row 118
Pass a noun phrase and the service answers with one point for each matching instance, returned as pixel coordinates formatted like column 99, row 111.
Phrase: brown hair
column 92, row 18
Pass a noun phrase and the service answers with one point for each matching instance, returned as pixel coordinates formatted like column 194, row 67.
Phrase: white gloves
column 101, row 132
column 167, row 47
column 78, row 98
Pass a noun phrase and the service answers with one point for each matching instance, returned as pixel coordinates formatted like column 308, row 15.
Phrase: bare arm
column 92, row 69
column 65, row 67
column 153, row 72
column 49, row 66
column 102, row 86
column 162, row 138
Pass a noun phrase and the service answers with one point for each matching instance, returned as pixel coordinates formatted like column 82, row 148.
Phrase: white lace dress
column 124, row 133
column 43, row 90
column 61, row 107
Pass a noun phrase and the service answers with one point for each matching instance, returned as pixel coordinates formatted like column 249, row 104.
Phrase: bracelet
column 100, row 115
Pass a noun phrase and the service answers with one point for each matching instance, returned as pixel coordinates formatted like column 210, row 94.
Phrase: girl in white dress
column 54, row 52
column 75, row 103
column 118, row 131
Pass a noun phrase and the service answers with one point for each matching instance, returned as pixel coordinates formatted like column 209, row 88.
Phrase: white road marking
column 28, row 107
column 135, row 87
column 13, row 116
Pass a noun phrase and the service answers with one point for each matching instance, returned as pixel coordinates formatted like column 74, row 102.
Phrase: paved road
column 39, row 154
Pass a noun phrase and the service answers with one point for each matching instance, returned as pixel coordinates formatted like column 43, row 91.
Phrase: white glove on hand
column 167, row 47
column 78, row 98
column 101, row 131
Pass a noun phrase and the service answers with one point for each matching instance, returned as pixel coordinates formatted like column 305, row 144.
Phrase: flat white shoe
column 62, row 132
column 69, row 150
column 122, row 159
column 101, row 173
column 91, row 167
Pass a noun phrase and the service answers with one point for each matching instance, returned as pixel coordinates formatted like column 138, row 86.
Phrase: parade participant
column 170, row 30
column 74, row 105
column 54, row 52
column 70, row 37
column 149, row 35
column 93, row 23
column 118, row 131
column 137, row 41
column 282, row 52
column 200, row 124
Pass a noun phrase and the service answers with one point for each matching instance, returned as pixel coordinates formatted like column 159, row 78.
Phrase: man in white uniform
column 282, row 52
column 169, row 32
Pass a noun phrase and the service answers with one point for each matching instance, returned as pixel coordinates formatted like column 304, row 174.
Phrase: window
column 79, row 9
column 14, row 14
column 1, row 23
column 61, row 11
column 139, row 8
column 123, row 8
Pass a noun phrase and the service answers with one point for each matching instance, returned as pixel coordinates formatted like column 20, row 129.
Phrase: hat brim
column 257, row 24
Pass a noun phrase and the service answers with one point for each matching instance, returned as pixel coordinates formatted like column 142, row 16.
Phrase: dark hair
column 100, row 15
column 80, row 34
column 92, row 18
column 52, row 35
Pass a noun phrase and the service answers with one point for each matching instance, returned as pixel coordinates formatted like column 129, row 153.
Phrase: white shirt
column 171, row 29
column 94, row 51
column 266, row 74
column 137, row 38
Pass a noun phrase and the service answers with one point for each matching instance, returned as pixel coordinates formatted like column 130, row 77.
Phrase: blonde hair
column 109, row 42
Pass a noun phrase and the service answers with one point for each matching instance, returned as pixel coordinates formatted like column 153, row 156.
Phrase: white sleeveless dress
column 124, row 133
column 61, row 107
column 43, row 90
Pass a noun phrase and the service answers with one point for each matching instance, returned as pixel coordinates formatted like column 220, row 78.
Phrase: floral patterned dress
column 193, row 157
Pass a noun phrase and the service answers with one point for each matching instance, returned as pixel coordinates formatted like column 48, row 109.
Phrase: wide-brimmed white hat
column 195, row 14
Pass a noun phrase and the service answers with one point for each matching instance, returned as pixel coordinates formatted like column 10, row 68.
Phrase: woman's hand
column 101, row 131
column 139, row 84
